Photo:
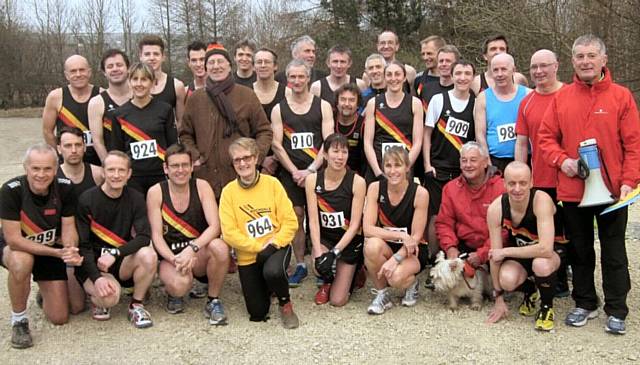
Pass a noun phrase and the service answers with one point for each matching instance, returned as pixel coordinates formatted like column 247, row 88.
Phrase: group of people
column 372, row 176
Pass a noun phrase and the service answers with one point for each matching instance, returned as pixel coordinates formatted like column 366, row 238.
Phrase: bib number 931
column 332, row 219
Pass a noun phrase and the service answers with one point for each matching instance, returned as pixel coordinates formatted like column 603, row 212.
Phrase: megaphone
column 595, row 191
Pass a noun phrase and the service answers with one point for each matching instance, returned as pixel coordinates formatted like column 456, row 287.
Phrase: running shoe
column 175, row 304
column 381, row 302
column 528, row 306
column 544, row 319
column 289, row 318
column 139, row 316
column 615, row 326
column 100, row 313
column 20, row 335
column 578, row 317
column 296, row 279
column 411, row 295
column 322, row 296
column 198, row 290
column 215, row 312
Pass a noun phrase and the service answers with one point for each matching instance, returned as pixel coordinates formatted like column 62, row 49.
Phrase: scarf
column 251, row 184
column 218, row 91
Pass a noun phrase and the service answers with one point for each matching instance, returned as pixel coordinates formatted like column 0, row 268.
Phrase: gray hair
column 587, row 40
column 40, row 148
column 375, row 56
column 300, row 40
column 298, row 63
column 471, row 145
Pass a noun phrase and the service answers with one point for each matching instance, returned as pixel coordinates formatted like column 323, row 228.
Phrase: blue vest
column 501, row 122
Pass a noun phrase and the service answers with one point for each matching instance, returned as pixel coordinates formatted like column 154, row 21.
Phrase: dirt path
column 426, row 333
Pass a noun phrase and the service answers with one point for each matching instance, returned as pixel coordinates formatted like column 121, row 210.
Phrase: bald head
column 517, row 169
column 75, row 61
column 503, row 58
column 544, row 68
column 77, row 72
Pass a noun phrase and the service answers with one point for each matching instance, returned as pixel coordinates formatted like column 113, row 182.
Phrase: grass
column 21, row 113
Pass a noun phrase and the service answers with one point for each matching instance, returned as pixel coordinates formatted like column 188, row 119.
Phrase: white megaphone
column 595, row 191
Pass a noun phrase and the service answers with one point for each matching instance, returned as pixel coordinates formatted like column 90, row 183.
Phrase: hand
column 71, row 256
column 570, row 167
column 452, row 253
column 411, row 245
column 499, row 311
column 299, row 176
column 269, row 165
column 185, row 260
column 429, row 169
column 105, row 261
column 388, row 268
column 266, row 252
column 326, row 266
column 104, row 287
column 496, row 254
column 624, row 191
column 198, row 162
column 474, row 259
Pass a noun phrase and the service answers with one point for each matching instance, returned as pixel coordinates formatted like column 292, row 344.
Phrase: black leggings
column 259, row 281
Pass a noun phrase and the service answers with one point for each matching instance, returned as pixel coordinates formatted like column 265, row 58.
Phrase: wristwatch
column 398, row 257
column 194, row 247
column 497, row 293
column 112, row 251
column 336, row 251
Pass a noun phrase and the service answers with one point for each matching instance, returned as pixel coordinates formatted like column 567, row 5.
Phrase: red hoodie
column 463, row 214
column 605, row 111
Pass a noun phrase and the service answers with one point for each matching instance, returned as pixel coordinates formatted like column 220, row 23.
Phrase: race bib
column 301, row 141
column 332, row 219
column 387, row 146
column 506, row 132
column 457, row 127
column 396, row 229
column 46, row 238
column 144, row 149
column 88, row 141
column 259, row 227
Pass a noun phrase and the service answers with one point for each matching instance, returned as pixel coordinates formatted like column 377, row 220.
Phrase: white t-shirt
column 436, row 104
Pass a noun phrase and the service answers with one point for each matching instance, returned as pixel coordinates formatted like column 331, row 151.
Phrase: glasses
column 263, row 62
column 176, row 166
column 245, row 159
column 541, row 66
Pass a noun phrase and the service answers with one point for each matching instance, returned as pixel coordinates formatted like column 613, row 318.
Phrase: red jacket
column 605, row 111
column 463, row 214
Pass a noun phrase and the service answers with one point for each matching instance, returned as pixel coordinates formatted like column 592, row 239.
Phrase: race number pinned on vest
column 396, row 229
column 88, row 141
column 457, row 127
column 506, row 132
column 259, row 227
column 46, row 237
column 332, row 219
column 387, row 146
column 301, row 141
column 144, row 149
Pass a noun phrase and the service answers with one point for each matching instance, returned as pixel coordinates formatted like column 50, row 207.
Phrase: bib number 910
column 46, row 237
column 144, row 149
column 506, row 132
column 259, row 227
column 301, row 141
column 332, row 219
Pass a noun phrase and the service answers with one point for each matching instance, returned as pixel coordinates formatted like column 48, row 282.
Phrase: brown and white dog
column 448, row 276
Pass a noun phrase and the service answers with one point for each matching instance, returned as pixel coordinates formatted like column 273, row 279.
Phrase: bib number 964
column 259, row 227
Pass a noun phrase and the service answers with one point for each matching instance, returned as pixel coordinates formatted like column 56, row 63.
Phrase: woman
column 335, row 199
column 394, row 221
column 394, row 118
column 143, row 128
column 258, row 221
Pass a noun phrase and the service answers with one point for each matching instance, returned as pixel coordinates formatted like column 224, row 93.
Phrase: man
column 349, row 123
column 339, row 63
column 83, row 175
column 243, row 55
column 114, row 243
column 461, row 223
column 428, row 52
column 166, row 88
column 447, row 55
column 185, row 229
column 527, row 215
column 195, row 60
column 544, row 69
column 300, row 124
column 496, row 112
column 491, row 47
column 39, row 238
column 115, row 68
column 303, row 48
column 593, row 106
column 449, row 125
column 68, row 105
column 218, row 114
column 374, row 70
column 388, row 45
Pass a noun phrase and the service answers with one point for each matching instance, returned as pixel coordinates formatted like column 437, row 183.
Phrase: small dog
column 449, row 276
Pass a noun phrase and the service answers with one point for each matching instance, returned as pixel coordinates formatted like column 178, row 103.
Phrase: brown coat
column 203, row 127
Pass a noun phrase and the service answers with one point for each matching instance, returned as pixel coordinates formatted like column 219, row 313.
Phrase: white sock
column 17, row 317
column 303, row 264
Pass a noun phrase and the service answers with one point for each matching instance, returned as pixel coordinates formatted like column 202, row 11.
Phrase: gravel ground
column 428, row 332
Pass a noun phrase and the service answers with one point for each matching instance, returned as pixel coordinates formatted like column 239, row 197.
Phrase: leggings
column 258, row 281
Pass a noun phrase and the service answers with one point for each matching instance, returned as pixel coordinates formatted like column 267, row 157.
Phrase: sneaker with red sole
column 322, row 296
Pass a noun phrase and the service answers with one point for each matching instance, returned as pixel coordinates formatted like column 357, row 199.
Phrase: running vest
column 179, row 229
column 87, row 180
column 431, row 89
column 399, row 217
column 168, row 94
column 280, row 93
column 501, row 122
column 368, row 94
column 421, row 82
column 484, row 85
column 394, row 126
column 354, row 134
column 526, row 233
column 74, row 114
column 248, row 81
column 191, row 87
column 302, row 133
column 327, row 94
column 107, row 115
column 452, row 130
column 334, row 207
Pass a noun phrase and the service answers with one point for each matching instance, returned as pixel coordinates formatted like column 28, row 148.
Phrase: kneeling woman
column 394, row 221
column 258, row 220
column 335, row 199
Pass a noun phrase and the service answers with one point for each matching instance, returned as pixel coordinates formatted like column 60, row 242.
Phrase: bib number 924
column 144, row 149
